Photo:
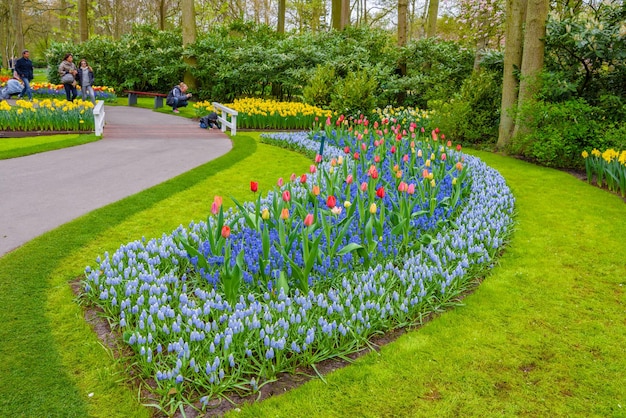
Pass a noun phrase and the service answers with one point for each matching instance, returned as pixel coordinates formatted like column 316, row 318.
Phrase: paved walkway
column 140, row 148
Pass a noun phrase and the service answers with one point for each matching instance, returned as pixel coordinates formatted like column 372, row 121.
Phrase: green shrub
column 320, row 87
column 473, row 114
column 435, row 70
column 354, row 94
column 555, row 134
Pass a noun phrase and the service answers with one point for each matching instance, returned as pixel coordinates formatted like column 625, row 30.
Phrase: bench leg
column 158, row 102
column 132, row 99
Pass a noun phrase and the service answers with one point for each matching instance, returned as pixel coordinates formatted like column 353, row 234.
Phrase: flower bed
column 387, row 227
column 47, row 115
column 269, row 114
column 608, row 168
column 52, row 91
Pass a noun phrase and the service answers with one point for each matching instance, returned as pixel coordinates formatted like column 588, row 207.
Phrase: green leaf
column 349, row 248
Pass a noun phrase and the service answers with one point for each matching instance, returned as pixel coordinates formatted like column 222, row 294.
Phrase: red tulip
column 458, row 147
column 303, row 178
column 346, row 149
column 254, row 186
column 286, row 196
column 356, row 155
column 331, row 202
column 226, row 231
column 380, row 192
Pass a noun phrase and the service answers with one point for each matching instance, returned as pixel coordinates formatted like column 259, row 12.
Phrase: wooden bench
column 158, row 97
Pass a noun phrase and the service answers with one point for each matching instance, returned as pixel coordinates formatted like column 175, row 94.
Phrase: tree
column 532, row 60
column 189, row 37
column 281, row 16
column 83, row 20
column 431, row 23
column 516, row 10
column 533, row 53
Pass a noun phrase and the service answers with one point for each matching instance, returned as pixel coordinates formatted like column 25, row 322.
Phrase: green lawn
column 19, row 147
column 543, row 335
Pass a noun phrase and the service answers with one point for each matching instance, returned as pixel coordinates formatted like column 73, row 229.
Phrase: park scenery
column 420, row 215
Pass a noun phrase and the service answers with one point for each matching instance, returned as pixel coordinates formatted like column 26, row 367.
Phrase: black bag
column 169, row 100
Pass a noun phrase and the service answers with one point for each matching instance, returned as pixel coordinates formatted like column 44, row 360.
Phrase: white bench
column 98, row 116
column 222, row 116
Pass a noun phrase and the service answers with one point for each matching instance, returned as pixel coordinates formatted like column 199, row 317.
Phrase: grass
column 50, row 359
column 20, row 147
column 543, row 335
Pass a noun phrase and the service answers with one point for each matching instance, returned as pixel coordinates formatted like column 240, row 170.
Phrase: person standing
column 24, row 69
column 67, row 72
column 177, row 97
column 85, row 78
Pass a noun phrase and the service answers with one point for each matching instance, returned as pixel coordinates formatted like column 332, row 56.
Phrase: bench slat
column 158, row 97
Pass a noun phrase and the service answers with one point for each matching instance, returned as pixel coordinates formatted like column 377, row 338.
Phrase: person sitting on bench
column 13, row 88
column 178, row 97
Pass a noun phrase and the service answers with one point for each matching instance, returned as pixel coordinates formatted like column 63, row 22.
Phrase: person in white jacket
column 13, row 87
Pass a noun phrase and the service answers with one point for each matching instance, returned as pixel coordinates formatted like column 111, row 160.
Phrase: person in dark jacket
column 85, row 79
column 177, row 97
column 24, row 69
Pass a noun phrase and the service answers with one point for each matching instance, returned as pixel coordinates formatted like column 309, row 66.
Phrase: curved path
column 140, row 148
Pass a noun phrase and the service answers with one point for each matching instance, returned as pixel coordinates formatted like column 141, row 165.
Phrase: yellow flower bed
column 608, row 167
column 47, row 115
column 257, row 113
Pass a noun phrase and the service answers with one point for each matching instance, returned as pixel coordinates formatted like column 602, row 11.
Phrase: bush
column 555, row 134
column 473, row 115
column 320, row 87
column 435, row 69
column 354, row 95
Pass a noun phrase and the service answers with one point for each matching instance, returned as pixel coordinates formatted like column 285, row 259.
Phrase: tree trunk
column 62, row 19
column 282, row 7
column 16, row 32
column 162, row 14
column 189, row 37
column 83, row 20
column 433, row 11
column 336, row 14
column 516, row 11
column 532, row 56
column 345, row 14
column 402, row 18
